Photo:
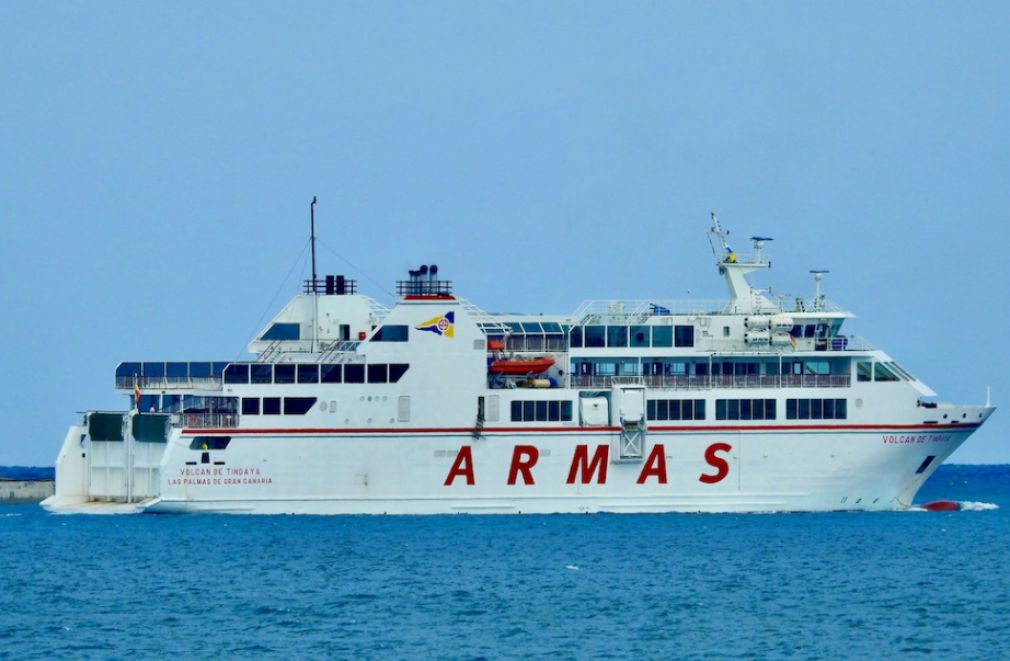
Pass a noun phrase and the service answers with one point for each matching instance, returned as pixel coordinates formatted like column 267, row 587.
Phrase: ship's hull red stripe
column 581, row 430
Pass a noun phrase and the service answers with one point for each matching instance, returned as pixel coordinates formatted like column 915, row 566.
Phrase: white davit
column 435, row 407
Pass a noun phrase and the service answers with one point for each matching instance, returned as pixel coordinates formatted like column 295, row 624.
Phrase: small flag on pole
column 136, row 394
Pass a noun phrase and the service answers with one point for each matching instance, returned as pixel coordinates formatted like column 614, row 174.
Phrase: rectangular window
column 282, row 331
column 261, row 373
column 199, row 371
column 541, row 412
column 841, row 409
column 804, row 409
column 529, row 411
column 396, row 371
column 553, row 411
column 177, row 370
column 882, row 373
column 236, row 374
column 566, row 411
column 595, row 336
column 354, row 373
column 378, row 373
column 271, row 406
column 284, row 373
column 390, row 334
column 662, row 336
column 331, row 373
column 746, row 412
column 720, row 409
column 298, row 405
column 617, row 336
column 250, row 406
column 790, row 409
column 733, row 409
column 699, row 409
column 864, row 371
column 575, row 337
column 828, row 407
column 683, row 336
column 308, row 374
column 517, row 411
column 640, row 336
column 770, row 412
column 650, row 409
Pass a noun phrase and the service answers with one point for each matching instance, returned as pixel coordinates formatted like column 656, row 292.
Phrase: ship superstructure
column 435, row 406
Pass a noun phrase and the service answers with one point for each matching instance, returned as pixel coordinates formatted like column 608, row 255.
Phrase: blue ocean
column 898, row 584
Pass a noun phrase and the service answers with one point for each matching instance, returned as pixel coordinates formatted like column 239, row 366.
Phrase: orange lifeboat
column 531, row 366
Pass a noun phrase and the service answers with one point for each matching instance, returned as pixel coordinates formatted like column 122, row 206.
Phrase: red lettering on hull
column 655, row 465
column 463, row 466
column 524, row 457
column 720, row 465
column 581, row 461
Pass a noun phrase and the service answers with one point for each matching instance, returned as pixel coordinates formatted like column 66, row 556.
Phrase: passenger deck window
column 261, row 373
column 250, row 406
column 298, row 405
column 662, row 336
column 236, row 374
column 354, row 373
column 396, row 371
column 271, row 406
column 332, row 373
column 284, row 373
column 683, row 336
column 308, row 374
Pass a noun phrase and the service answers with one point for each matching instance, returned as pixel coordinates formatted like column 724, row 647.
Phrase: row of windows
column 272, row 405
column 816, row 409
column 634, row 336
column 542, row 411
column 648, row 365
column 312, row 373
column 745, row 409
column 676, row 409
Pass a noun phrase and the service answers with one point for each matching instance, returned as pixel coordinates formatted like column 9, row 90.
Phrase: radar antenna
column 818, row 296
column 312, row 240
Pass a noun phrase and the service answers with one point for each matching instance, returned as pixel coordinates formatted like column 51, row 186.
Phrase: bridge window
column 575, row 337
column 640, row 336
column 308, row 374
column 390, row 334
column 816, row 409
column 283, row 331
column 864, row 371
column 683, row 336
column 883, row 373
column 332, row 373
column 662, row 336
column 271, row 406
column 541, row 411
column 298, row 405
column 284, row 373
column 745, row 409
column 250, row 406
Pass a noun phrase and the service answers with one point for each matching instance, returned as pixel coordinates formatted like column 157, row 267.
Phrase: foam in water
column 974, row 506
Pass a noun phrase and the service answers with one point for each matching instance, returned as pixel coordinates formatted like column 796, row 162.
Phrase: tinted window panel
column 271, row 406
column 378, row 373
column 662, row 336
column 517, row 411
column 566, row 411
column 282, row 331
column 298, row 405
column 250, row 406
column 199, row 370
column 390, row 334
column 236, row 374
column 284, row 373
column 331, row 373
column 261, row 373
column 396, row 371
column 684, row 336
column 308, row 374
column 595, row 336
column 354, row 373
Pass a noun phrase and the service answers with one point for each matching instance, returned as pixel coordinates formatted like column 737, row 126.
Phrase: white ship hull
column 810, row 469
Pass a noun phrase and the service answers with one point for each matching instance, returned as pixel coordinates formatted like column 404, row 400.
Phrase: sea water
column 894, row 584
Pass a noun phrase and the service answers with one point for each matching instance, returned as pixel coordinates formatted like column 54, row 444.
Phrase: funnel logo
column 443, row 324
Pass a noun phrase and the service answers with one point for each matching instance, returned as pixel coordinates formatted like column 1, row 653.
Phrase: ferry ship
column 434, row 406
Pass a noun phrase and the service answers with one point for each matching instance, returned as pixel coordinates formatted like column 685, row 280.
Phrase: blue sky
column 158, row 160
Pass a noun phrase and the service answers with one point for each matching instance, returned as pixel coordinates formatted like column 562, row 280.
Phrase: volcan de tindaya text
column 434, row 406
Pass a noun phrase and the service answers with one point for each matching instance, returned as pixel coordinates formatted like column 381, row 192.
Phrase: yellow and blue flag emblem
column 443, row 324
